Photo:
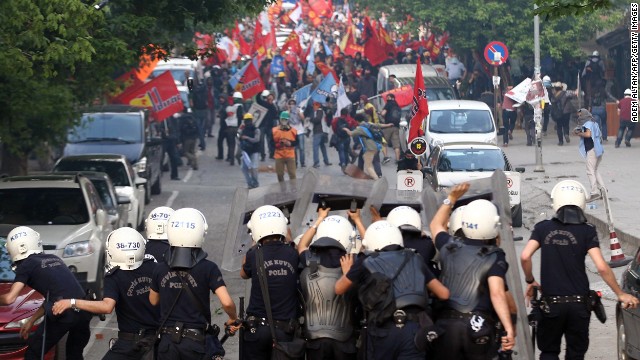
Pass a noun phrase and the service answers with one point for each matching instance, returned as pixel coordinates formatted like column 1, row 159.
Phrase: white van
column 459, row 121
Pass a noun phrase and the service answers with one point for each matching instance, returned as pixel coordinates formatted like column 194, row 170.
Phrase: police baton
column 241, row 315
column 534, row 315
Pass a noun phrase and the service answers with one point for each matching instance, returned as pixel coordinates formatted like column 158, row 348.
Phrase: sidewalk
column 619, row 168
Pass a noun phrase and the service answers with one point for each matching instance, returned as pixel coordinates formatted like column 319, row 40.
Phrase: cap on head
column 156, row 224
column 595, row 54
column 568, row 192
column 247, row 116
column 628, row 92
column 265, row 93
column 284, row 115
column 480, row 220
column 281, row 74
column 237, row 95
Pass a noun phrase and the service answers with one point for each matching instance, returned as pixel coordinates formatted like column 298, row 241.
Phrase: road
column 211, row 190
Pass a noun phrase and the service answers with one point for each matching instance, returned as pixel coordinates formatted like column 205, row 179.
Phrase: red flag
column 241, row 43
column 321, row 8
column 160, row 94
column 292, row 43
column 420, row 107
column 385, row 40
column 348, row 44
column 258, row 40
column 250, row 82
column 325, row 69
column 403, row 94
column 436, row 48
column 373, row 49
column 428, row 44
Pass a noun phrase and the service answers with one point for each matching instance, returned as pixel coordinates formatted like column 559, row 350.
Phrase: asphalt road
column 211, row 190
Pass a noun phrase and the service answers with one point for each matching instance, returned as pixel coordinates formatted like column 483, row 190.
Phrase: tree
column 57, row 56
column 562, row 8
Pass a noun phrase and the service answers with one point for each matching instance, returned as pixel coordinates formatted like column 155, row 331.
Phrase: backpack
column 374, row 133
column 394, row 116
column 557, row 108
column 189, row 127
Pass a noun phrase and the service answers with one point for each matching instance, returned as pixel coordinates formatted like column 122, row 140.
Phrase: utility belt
column 178, row 332
column 253, row 322
column 401, row 317
column 455, row 314
column 127, row 336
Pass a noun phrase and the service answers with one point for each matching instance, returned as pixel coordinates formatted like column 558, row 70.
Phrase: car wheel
column 147, row 194
column 156, row 188
column 516, row 218
column 621, row 339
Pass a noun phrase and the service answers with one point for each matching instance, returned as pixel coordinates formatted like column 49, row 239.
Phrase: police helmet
column 187, row 228
column 125, row 249
column 237, row 95
column 156, row 223
column 334, row 231
column 568, row 192
column 380, row 234
column 22, row 242
column 265, row 221
column 480, row 220
column 405, row 218
column 455, row 220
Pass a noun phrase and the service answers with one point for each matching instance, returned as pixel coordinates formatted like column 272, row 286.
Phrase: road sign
column 496, row 53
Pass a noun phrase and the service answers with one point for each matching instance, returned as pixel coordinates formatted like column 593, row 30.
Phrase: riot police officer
column 564, row 241
column 476, row 303
column 48, row 275
column 393, row 284
column 126, row 288
column 329, row 323
column 268, row 227
column 182, row 286
column 409, row 222
column 156, row 226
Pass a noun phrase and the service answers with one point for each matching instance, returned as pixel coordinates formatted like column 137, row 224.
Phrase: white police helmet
column 405, row 218
column 265, row 221
column 22, row 242
column 237, row 95
column 335, row 231
column 187, row 228
column 156, row 224
column 455, row 220
column 125, row 249
column 380, row 234
column 480, row 220
column 568, row 192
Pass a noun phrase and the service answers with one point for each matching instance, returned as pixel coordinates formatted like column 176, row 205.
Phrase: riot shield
column 494, row 189
column 237, row 240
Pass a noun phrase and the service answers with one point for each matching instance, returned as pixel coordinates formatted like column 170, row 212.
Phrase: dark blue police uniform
column 386, row 340
column 565, row 286
column 137, row 318
column 189, row 343
column 467, row 318
column 157, row 249
column 281, row 265
column 48, row 274
column 423, row 245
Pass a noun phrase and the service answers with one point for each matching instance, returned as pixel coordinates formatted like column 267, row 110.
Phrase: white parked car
column 67, row 212
column 124, row 178
column 459, row 121
column 455, row 163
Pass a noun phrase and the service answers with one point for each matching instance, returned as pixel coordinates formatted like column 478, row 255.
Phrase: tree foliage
column 58, row 55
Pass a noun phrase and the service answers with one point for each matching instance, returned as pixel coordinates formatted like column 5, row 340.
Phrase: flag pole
column 537, row 109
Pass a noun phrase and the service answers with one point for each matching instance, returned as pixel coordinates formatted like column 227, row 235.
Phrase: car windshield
column 43, row 206
column 184, row 95
column 460, row 121
column 179, row 74
column 433, row 93
column 115, row 169
column 122, row 127
column 471, row 160
column 6, row 272
column 103, row 191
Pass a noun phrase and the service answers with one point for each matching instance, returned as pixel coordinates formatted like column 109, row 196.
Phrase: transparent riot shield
column 494, row 189
column 395, row 198
column 282, row 195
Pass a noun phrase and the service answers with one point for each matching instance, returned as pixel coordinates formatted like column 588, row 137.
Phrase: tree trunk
column 12, row 165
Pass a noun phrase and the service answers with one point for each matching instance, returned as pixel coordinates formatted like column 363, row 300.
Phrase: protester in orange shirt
column 285, row 140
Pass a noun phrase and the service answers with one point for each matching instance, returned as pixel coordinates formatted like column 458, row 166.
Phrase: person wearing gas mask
column 156, row 226
column 182, row 286
column 392, row 287
column 285, row 139
column 126, row 289
column 48, row 275
column 564, row 241
column 329, row 322
column 476, row 303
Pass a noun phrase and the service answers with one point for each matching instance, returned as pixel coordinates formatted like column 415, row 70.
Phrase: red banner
column 292, row 43
column 385, row 40
column 403, row 94
column 325, row 69
column 250, row 83
column 160, row 95
column 374, row 51
column 420, row 107
column 439, row 45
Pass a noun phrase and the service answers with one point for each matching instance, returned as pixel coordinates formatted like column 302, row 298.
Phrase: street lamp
column 537, row 109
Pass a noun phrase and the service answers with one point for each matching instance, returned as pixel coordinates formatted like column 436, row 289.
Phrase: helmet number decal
column 160, row 216
column 183, row 224
column 469, row 225
column 268, row 214
column 18, row 235
column 132, row 245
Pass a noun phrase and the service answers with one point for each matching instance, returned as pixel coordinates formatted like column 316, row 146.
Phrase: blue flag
column 302, row 94
column 277, row 65
column 235, row 79
column 327, row 49
column 311, row 60
column 324, row 90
